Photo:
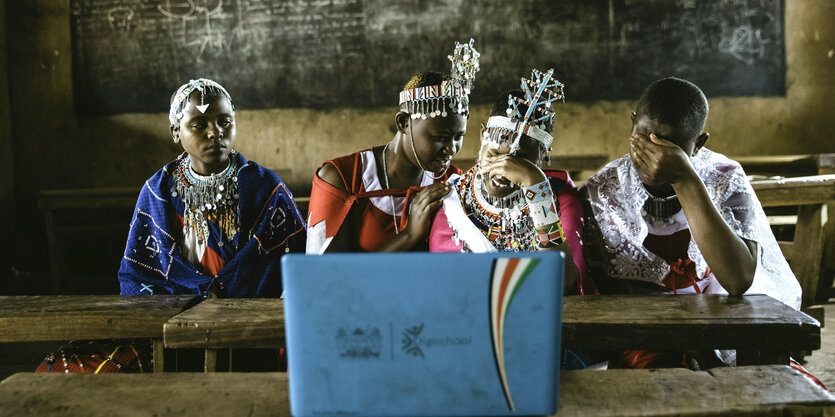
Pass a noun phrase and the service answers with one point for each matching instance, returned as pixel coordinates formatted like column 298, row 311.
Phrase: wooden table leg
column 52, row 246
column 210, row 363
column 159, row 356
column 807, row 250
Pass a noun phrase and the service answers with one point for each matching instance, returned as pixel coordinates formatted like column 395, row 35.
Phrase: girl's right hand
column 423, row 206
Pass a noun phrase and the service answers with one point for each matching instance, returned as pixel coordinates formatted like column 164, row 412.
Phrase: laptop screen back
column 423, row 334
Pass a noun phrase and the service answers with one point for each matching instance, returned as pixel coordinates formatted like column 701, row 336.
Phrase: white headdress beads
column 428, row 101
column 180, row 103
column 540, row 91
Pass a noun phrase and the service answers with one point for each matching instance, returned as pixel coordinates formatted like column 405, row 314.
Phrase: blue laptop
column 420, row 334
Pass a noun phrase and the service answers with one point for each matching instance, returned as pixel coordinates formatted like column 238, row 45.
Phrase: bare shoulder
column 329, row 174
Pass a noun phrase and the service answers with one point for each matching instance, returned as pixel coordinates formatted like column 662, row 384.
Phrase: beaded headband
column 428, row 101
column 539, row 93
column 176, row 112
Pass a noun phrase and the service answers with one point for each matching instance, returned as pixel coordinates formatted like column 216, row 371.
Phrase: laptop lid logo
column 359, row 343
column 508, row 275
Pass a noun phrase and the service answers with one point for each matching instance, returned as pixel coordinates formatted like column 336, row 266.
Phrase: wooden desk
column 806, row 252
column 91, row 317
column 772, row 390
column 54, row 201
column 762, row 329
column 220, row 323
column 788, row 165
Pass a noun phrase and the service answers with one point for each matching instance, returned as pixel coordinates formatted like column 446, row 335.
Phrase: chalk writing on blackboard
column 129, row 55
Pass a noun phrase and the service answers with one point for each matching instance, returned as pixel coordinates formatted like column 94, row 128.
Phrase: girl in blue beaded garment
column 210, row 221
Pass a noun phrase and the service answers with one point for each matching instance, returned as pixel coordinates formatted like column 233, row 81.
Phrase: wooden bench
column 763, row 390
column 761, row 329
column 90, row 317
column 788, row 165
column 806, row 252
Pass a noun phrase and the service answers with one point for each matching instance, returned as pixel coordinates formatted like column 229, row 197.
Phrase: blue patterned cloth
column 270, row 225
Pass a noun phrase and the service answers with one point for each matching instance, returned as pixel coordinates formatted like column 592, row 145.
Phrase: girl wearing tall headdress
column 383, row 198
column 506, row 202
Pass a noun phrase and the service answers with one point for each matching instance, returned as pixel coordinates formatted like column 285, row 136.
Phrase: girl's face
column 207, row 137
column 499, row 186
column 437, row 140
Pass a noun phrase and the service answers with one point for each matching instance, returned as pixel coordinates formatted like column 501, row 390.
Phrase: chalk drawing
column 745, row 44
column 191, row 11
column 120, row 19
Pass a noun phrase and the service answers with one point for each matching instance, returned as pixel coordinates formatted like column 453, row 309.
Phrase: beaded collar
column 504, row 221
column 660, row 210
column 208, row 198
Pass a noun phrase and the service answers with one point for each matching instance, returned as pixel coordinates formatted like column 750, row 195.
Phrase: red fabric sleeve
column 331, row 204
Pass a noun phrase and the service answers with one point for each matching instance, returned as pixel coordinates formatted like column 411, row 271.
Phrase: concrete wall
column 54, row 148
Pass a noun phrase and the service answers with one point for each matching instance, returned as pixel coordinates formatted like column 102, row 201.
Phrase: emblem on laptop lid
column 508, row 275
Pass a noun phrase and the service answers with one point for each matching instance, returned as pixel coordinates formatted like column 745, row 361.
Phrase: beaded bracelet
column 545, row 214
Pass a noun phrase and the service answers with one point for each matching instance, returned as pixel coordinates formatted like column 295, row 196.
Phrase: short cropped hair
column 425, row 79
column 675, row 102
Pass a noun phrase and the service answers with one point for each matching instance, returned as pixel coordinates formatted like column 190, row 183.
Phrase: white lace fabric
column 616, row 196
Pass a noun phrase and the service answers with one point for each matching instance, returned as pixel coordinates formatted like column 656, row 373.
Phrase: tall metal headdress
column 540, row 92
column 429, row 101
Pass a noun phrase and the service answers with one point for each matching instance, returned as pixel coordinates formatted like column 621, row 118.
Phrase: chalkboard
column 130, row 55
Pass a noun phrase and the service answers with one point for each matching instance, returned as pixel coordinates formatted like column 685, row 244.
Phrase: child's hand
column 520, row 171
column 657, row 160
column 424, row 204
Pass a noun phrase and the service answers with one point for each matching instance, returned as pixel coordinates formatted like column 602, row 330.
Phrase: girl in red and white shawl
column 383, row 198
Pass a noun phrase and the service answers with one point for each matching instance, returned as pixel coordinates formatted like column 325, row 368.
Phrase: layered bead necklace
column 208, row 198
column 660, row 210
column 504, row 221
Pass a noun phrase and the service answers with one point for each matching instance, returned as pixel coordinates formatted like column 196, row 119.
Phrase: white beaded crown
column 539, row 92
column 430, row 101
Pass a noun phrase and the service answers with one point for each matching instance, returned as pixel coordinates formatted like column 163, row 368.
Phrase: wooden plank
column 225, row 323
column 762, row 390
column 134, row 395
column 807, row 250
column 210, row 361
column 826, row 163
column 55, row 264
column 159, row 356
column 606, row 322
column 68, row 317
column 787, row 248
column 782, row 220
column 684, row 322
column 782, row 165
column 816, row 189
column 88, row 198
column 742, row 391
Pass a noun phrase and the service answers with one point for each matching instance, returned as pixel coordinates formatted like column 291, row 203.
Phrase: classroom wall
column 6, row 167
column 54, row 148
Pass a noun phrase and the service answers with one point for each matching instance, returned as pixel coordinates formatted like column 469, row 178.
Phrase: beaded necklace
column 504, row 221
column 660, row 210
column 393, row 206
column 208, row 198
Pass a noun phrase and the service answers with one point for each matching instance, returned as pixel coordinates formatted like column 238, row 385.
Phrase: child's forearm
column 731, row 259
